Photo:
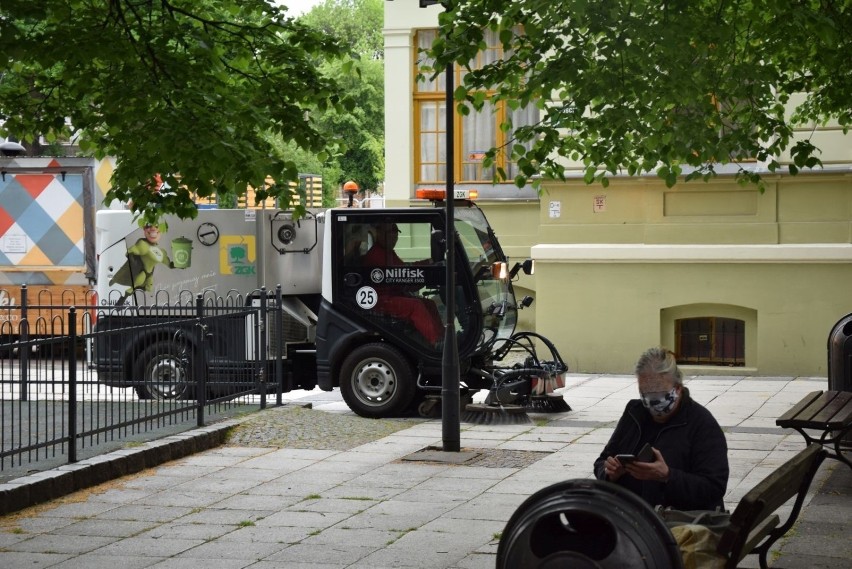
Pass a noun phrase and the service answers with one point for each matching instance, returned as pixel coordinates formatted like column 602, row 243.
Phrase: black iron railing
column 89, row 378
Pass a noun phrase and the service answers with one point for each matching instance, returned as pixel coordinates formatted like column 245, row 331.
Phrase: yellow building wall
column 601, row 316
column 618, row 266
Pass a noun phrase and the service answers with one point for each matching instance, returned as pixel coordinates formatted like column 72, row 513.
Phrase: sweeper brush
column 548, row 403
column 483, row 414
column 526, row 385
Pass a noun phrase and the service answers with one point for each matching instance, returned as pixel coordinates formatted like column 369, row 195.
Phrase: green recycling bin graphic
column 182, row 252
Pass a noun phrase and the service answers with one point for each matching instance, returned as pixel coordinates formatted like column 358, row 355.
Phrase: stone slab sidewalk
column 322, row 488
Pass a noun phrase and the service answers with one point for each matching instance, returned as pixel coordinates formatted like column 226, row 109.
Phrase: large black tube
column 586, row 523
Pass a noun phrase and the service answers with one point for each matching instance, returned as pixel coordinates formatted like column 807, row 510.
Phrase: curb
column 44, row 486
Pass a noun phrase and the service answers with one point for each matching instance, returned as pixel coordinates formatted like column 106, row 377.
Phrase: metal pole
column 23, row 343
column 198, row 380
column 72, row 385
column 450, row 399
column 279, row 348
column 450, row 427
column 261, row 344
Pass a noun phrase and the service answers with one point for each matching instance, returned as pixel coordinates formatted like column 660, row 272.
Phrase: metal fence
column 75, row 376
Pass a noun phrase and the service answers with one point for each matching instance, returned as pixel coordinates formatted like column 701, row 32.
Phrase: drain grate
column 479, row 457
column 503, row 458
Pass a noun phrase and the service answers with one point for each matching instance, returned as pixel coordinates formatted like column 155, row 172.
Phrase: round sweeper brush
column 483, row 414
column 549, row 403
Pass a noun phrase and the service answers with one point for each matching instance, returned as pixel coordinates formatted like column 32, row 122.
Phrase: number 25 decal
column 366, row 297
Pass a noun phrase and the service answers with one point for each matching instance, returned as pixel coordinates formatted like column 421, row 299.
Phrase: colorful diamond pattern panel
column 41, row 227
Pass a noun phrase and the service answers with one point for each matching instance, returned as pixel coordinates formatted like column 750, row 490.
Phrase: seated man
column 690, row 466
column 397, row 300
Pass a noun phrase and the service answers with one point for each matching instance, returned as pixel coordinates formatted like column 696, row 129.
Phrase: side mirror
column 528, row 266
column 438, row 245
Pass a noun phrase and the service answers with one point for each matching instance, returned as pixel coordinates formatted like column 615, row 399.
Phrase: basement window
column 710, row 340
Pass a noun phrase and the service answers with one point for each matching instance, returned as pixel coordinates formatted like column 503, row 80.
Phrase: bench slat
column 763, row 529
column 793, row 413
column 833, row 415
column 753, row 518
column 820, row 410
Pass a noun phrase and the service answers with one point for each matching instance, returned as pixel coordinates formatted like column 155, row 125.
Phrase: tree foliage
column 193, row 90
column 358, row 25
column 355, row 23
column 676, row 87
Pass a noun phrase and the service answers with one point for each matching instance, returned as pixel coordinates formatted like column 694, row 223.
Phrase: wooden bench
column 754, row 525
column 827, row 411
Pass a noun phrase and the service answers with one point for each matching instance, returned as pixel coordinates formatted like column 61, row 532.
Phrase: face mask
column 660, row 404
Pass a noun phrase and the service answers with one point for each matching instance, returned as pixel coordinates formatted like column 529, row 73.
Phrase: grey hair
column 659, row 361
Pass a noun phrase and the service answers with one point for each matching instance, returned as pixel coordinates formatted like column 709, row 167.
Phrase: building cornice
column 643, row 253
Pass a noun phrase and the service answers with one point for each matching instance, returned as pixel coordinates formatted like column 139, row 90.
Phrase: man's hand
column 657, row 470
column 613, row 468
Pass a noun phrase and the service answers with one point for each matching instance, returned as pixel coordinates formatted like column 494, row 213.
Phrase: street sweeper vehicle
column 359, row 304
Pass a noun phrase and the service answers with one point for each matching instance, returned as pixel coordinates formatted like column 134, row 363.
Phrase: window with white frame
column 475, row 133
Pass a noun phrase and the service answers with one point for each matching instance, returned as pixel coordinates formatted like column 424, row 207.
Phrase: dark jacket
column 693, row 446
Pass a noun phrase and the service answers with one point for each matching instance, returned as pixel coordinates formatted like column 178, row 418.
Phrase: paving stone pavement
column 322, row 488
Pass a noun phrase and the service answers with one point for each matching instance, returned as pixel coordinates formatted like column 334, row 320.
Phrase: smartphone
column 645, row 454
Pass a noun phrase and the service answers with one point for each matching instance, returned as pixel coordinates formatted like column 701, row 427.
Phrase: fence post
column 23, row 339
column 200, row 379
column 261, row 335
column 72, row 385
column 279, row 340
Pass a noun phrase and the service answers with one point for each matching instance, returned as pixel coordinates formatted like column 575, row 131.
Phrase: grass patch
column 401, row 533
column 363, row 498
column 313, row 497
column 246, row 524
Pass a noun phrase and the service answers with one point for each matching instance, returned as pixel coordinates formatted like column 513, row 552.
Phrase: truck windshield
column 496, row 297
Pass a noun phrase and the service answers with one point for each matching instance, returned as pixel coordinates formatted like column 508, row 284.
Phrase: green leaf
column 671, row 179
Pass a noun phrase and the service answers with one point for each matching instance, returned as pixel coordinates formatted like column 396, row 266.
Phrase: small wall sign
column 555, row 209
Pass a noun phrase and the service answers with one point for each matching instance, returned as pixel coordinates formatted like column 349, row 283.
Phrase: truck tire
column 165, row 368
column 377, row 381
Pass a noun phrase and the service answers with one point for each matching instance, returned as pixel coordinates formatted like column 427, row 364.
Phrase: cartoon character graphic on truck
column 143, row 256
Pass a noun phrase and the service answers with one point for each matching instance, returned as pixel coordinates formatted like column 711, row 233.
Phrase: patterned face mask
column 660, row 403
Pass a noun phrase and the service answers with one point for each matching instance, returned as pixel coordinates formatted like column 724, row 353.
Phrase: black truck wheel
column 165, row 368
column 377, row 381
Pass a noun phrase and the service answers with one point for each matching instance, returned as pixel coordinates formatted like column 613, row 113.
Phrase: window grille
column 710, row 340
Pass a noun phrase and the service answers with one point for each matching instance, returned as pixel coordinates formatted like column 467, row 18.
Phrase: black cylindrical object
column 840, row 355
column 840, row 361
column 586, row 523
